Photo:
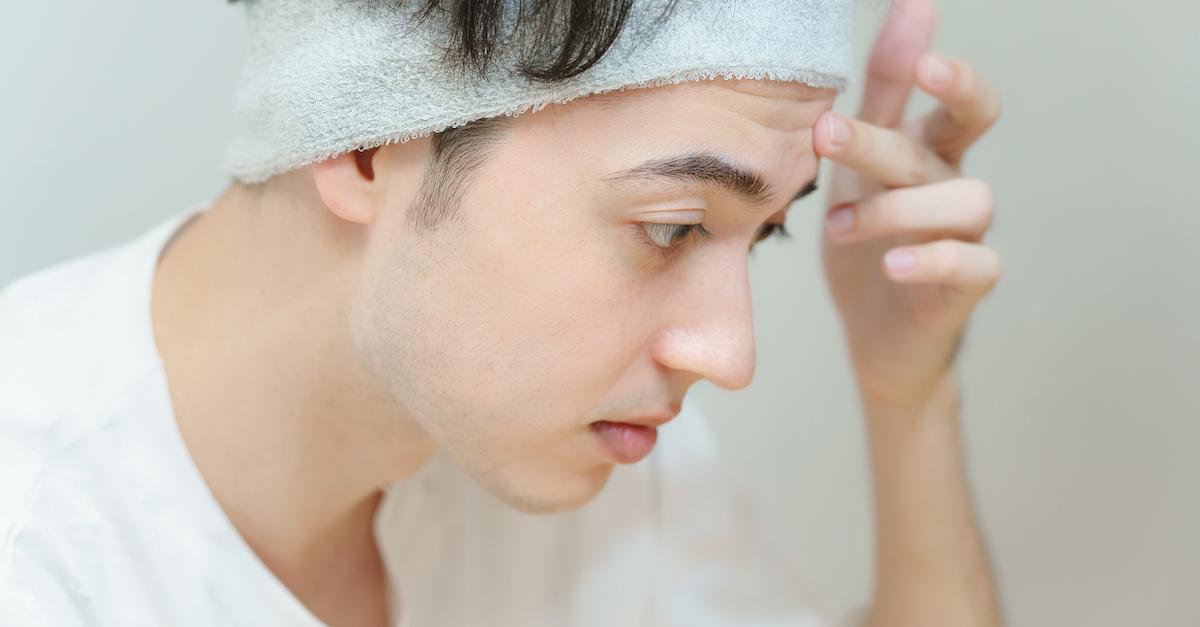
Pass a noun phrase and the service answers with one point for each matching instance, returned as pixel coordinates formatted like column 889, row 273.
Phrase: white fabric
column 322, row 77
column 104, row 519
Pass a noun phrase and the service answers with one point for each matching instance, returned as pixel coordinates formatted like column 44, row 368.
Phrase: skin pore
column 320, row 345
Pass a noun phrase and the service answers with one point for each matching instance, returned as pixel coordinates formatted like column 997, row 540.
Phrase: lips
column 629, row 439
column 626, row 443
column 657, row 419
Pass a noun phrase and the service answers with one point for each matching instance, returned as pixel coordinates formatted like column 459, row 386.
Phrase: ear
column 348, row 186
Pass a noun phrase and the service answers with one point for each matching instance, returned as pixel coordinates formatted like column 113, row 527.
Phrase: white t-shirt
column 105, row 520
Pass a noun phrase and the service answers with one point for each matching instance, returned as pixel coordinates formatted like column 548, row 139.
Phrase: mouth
column 626, row 443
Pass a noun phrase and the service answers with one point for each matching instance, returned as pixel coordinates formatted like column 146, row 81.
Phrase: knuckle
column 958, row 66
column 914, row 162
column 986, row 195
column 918, row 168
column 998, row 269
column 966, row 82
column 995, row 270
column 991, row 282
column 982, row 200
column 995, row 105
column 988, row 118
column 974, row 87
column 987, row 107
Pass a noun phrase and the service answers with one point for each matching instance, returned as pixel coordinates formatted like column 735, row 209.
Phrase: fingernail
column 840, row 220
column 839, row 131
column 900, row 261
column 937, row 72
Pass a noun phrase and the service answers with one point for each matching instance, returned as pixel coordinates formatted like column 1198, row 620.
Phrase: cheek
column 544, row 304
column 500, row 335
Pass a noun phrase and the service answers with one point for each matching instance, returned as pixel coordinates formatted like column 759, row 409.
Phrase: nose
column 711, row 329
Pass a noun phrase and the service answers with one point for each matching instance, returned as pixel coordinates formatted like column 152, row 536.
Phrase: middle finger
column 961, row 207
column 970, row 105
column 883, row 154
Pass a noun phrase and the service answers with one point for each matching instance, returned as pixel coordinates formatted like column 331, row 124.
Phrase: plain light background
column 1080, row 370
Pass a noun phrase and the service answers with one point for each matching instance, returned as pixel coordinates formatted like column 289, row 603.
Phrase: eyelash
column 697, row 230
column 771, row 229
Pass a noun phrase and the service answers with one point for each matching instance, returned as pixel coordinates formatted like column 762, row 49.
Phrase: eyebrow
column 709, row 169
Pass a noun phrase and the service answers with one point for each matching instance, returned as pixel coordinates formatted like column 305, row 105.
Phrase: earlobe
column 346, row 183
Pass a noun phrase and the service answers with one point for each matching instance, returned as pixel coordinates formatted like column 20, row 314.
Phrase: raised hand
column 902, row 245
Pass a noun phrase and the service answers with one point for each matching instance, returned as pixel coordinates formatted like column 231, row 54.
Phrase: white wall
column 113, row 114
column 1080, row 369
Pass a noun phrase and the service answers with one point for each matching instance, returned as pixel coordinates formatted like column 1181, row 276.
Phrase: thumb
column 904, row 36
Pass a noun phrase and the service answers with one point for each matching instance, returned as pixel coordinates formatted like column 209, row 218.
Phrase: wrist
column 937, row 400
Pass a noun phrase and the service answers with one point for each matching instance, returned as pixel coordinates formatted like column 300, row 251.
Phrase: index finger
column 882, row 154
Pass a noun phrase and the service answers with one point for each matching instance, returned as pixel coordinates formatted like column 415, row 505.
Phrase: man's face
column 548, row 307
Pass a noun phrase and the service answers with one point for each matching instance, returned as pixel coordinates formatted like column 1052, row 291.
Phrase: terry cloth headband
column 323, row 77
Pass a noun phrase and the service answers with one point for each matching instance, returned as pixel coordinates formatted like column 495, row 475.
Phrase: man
column 389, row 386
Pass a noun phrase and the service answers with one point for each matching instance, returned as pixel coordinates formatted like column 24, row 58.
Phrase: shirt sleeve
column 718, row 565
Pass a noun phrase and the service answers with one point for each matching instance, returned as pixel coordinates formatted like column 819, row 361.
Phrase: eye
column 663, row 238
column 769, row 229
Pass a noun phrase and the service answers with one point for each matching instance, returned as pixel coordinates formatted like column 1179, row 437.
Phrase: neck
column 293, row 436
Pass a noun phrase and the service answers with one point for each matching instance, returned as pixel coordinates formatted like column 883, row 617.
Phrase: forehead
column 765, row 125
column 779, row 104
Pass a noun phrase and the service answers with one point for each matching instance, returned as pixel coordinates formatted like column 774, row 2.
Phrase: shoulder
column 73, row 333
column 72, row 353
column 54, row 378
column 52, row 331
column 44, row 329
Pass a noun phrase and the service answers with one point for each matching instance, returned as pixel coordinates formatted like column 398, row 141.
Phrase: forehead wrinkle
column 773, row 106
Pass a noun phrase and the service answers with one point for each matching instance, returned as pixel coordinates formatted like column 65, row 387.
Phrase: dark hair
column 560, row 39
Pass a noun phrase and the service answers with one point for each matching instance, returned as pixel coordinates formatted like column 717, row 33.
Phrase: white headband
column 323, row 77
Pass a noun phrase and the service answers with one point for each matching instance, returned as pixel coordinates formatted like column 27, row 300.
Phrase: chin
column 545, row 495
